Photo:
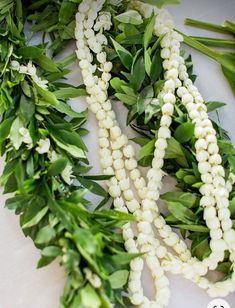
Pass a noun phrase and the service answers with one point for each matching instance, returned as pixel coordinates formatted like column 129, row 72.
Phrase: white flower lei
column 118, row 157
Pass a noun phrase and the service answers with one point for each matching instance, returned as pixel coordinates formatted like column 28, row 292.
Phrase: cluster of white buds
column 24, row 132
column 30, row 70
column 118, row 158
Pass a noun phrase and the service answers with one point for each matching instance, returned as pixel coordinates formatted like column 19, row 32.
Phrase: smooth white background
column 21, row 285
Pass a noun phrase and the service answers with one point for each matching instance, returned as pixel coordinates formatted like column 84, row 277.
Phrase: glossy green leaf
column 130, row 17
column 181, row 212
column 184, row 132
column 194, row 228
column 118, row 279
column 149, row 31
column 57, row 166
column 69, row 92
column 36, row 219
column 51, row 251
column 187, row 199
column 124, row 55
column 5, row 128
column 89, row 297
column 213, row 105
column 15, row 137
column 30, row 52
column 147, row 149
column 45, row 235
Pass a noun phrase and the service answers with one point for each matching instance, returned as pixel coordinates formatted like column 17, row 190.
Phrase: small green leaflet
column 57, row 166
column 193, row 228
column 5, row 127
column 174, row 151
column 118, row 279
column 35, row 220
column 147, row 149
column 160, row 3
column 149, row 31
column 213, row 105
column 181, row 212
column 185, row 198
column 15, row 137
column 130, row 17
column 45, row 235
column 89, row 297
column 124, row 55
column 184, row 132
column 69, row 92
column 30, row 52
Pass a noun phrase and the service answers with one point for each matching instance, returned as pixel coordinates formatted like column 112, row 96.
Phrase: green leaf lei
column 41, row 138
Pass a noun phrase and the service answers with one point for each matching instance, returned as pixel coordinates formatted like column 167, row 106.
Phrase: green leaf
column 231, row 160
column 147, row 149
column 181, row 212
column 184, row 132
column 30, row 52
column 144, row 98
column 124, row 55
column 15, row 137
column 57, row 166
column 174, row 151
column 5, row 128
column 93, row 186
column 51, row 251
column 47, row 64
column 193, row 228
column 116, row 83
column 156, row 67
column 27, row 109
column 160, row 3
column 87, row 245
column 138, row 74
column 17, row 202
column 118, row 279
column 185, row 198
column 232, row 207
column 149, row 31
column 66, row 12
column 147, row 61
column 130, row 17
column 8, row 170
column 89, row 297
column 66, row 109
column 126, row 99
column 113, row 214
column 45, row 235
column 226, row 147
column 46, row 95
column 35, row 220
column 124, row 258
column 200, row 247
column 213, row 105
column 68, row 141
column 70, row 92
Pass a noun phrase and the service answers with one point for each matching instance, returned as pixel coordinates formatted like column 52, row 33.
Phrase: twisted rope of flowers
column 118, row 158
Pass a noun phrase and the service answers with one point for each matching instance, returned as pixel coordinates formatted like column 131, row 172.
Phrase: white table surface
column 21, row 284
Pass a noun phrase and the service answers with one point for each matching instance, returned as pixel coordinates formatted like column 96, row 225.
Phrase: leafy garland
column 138, row 78
column 61, row 220
column 41, row 138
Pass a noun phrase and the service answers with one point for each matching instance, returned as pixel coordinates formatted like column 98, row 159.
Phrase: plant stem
column 214, row 41
column 205, row 25
column 230, row 26
column 200, row 47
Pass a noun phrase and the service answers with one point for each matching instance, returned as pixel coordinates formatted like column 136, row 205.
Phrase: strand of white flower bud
column 151, row 260
column 216, row 256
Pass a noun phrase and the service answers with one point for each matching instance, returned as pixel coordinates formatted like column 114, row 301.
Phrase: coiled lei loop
column 130, row 191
